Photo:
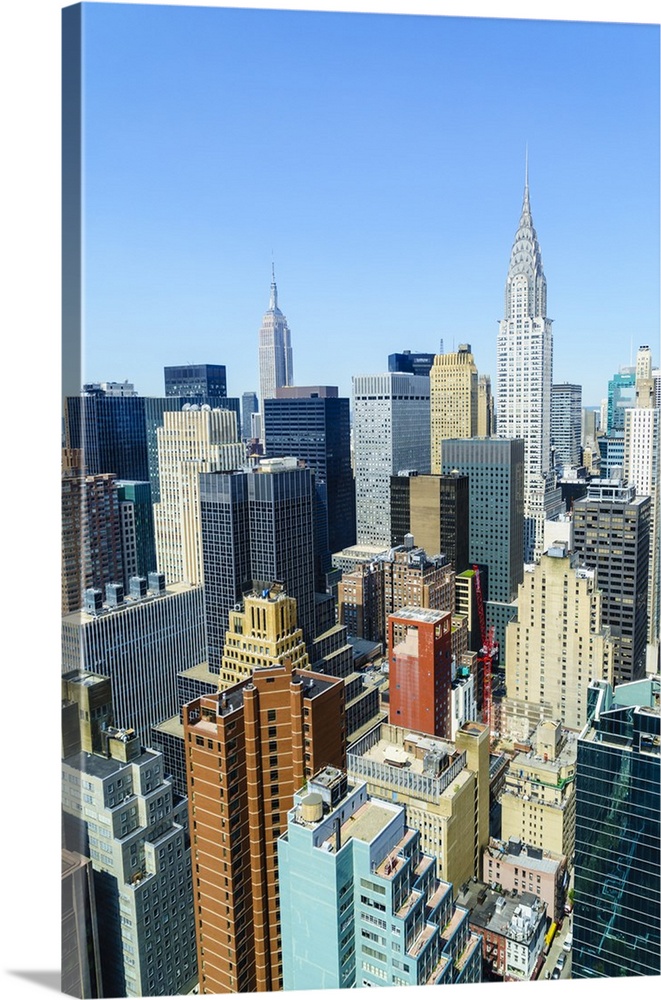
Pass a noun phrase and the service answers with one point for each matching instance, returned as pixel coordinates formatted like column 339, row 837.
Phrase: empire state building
column 276, row 367
column 525, row 377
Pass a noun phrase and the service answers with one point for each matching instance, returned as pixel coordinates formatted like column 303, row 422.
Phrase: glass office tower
column 617, row 906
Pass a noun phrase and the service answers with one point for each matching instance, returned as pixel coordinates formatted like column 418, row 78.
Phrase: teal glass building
column 617, row 875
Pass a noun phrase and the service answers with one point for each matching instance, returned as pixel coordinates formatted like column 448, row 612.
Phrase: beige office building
column 444, row 786
column 262, row 633
column 556, row 646
column 191, row 441
column 538, row 802
column 453, row 394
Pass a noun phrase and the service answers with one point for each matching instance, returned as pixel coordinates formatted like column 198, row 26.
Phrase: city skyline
column 32, row 66
column 382, row 177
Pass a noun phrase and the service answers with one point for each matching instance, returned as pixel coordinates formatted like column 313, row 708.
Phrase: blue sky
column 380, row 158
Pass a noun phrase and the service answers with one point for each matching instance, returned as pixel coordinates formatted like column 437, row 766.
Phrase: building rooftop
column 415, row 614
column 367, row 822
column 83, row 617
column 98, row 766
column 513, row 917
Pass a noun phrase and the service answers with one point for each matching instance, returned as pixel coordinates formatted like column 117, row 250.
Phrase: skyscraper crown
column 526, row 261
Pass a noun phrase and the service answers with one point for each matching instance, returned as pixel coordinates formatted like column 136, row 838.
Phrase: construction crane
column 488, row 650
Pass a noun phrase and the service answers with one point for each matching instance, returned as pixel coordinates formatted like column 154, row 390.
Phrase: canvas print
column 360, row 501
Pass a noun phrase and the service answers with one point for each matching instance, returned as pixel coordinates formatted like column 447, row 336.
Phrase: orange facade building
column 420, row 650
column 248, row 749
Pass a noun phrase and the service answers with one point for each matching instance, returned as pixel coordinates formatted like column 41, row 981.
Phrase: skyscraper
column 453, row 390
column 191, row 441
column 557, row 644
column 316, row 429
column 110, row 430
column 276, row 365
column 281, row 498
column 434, row 509
column 391, row 432
column 641, row 467
column 525, row 375
column 621, row 395
column 566, row 419
column 617, row 875
column 495, row 518
column 248, row 750
column 486, row 421
column 612, row 536
column 256, row 527
column 137, row 530
column 262, row 633
column 91, row 532
column 249, row 405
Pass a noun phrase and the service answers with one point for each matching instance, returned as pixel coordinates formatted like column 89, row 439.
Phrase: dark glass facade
column 400, row 508
column 617, row 905
column 257, row 527
column 195, row 380
column 225, row 529
column 317, row 430
column 282, row 536
column 111, row 432
column 412, row 362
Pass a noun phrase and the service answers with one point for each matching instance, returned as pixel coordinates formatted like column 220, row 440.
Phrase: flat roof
column 367, row 822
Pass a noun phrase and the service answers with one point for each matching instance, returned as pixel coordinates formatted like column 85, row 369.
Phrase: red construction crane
column 488, row 650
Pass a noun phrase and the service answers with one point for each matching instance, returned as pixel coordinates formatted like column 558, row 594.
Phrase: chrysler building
column 275, row 356
column 525, row 376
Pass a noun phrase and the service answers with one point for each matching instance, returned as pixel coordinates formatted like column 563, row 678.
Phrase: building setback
column 557, row 644
column 538, row 802
column 617, row 874
column 119, row 810
column 361, row 904
column 444, row 786
column 248, row 749
column 403, row 576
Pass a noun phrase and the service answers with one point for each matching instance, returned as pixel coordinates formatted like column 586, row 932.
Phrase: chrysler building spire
column 525, row 376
